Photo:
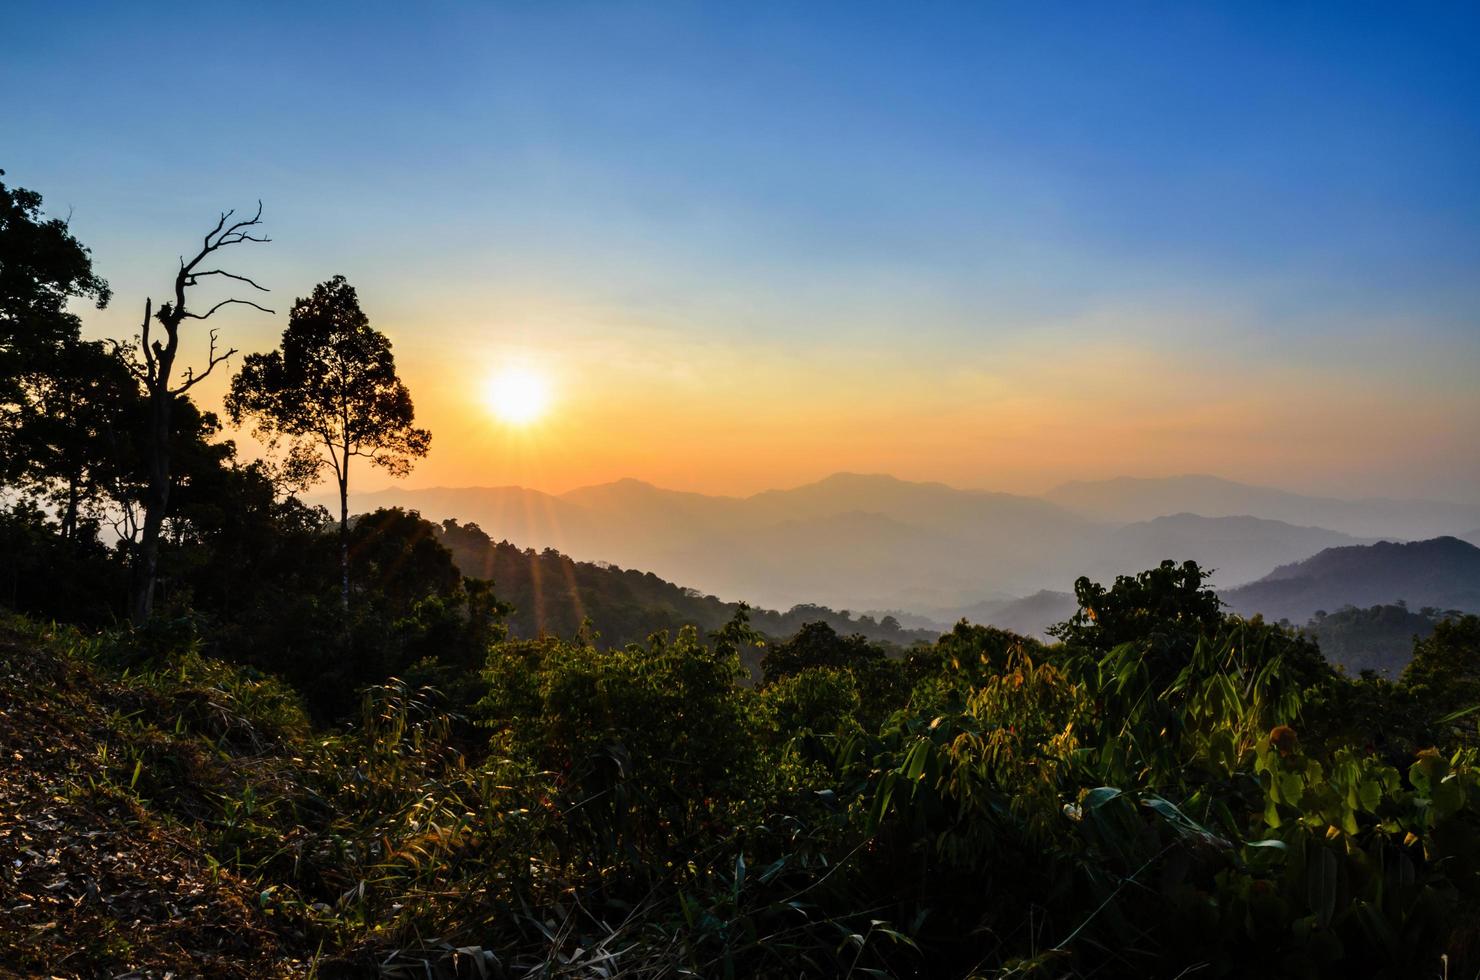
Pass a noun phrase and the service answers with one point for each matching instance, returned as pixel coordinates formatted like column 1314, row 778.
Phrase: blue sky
column 1286, row 192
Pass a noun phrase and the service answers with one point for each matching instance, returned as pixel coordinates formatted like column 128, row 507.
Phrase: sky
column 748, row 245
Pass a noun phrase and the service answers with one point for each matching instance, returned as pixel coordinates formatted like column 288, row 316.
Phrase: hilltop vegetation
column 1167, row 789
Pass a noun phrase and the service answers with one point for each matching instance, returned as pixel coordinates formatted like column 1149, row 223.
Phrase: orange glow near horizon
column 724, row 421
column 564, row 403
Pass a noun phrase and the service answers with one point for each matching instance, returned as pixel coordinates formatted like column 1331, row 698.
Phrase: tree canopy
column 42, row 269
column 331, row 389
column 332, row 392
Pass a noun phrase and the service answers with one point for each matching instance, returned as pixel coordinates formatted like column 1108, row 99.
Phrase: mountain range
column 551, row 593
column 1381, row 580
column 928, row 551
column 1126, row 499
column 1442, row 573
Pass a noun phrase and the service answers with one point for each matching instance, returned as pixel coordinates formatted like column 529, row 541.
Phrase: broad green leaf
column 1099, row 796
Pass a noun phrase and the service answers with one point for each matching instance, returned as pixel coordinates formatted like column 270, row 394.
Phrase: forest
column 248, row 737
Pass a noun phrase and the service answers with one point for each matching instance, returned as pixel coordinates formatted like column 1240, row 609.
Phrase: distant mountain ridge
column 871, row 541
column 850, row 541
column 552, row 594
column 1442, row 572
column 1244, row 546
column 1349, row 582
column 1030, row 616
column 1125, row 499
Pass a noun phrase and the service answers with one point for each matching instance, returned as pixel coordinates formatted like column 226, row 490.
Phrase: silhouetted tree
column 82, row 409
column 817, row 645
column 1168, row 601
column 42, row 267
column 333, row 393
column 402, row 557
column 155, row 368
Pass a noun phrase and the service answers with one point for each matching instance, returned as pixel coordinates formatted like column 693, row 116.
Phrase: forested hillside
column 1378, row 638
column 870, row 541
column 551, row 593
column 1443, row 573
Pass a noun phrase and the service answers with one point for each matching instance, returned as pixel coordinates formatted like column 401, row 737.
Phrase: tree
column 77, row 430
column 1445, row 670
column 817, row 645
column 333, row 393
column 1167, row 603
column 154, row 367
column 401, row 553
column 42, row 267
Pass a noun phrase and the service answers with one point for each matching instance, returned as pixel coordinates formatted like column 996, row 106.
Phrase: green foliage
column 945, row 675
column 42, row 268
column 75, row 432
column 822, row 700
column 816, row 645
column 1166, row 603
column 1194, row 826
column 1185, row 799
column 878, row 682
column 396, row 556
column 50, row 577
column 652, row 744
column 1445, row 672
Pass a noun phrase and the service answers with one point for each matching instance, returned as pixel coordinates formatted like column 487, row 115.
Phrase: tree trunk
column 156, row 371
column 69, row 519
column 344, row 542
column 156, row 500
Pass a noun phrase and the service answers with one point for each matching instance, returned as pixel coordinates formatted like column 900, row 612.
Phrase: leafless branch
column 192, row 379
column 225, row 302
column 191, row 279
column 235, row 232
column 206, row 245
column 219, row 237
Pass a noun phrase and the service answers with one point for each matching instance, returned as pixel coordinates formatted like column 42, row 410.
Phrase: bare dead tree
column 155, row 366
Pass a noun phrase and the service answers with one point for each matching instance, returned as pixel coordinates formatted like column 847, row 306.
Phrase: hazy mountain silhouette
column 529, row 517
column 553, row 594
column 1235, row 549
column 1125, row 499
column 870, row 541
column 1442, row 572
column 1031, row 615
column 855, row 541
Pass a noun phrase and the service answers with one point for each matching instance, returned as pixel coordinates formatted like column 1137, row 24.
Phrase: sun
column 517, row 395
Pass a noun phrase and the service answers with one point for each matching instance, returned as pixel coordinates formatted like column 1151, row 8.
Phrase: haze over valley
column 877, row 543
